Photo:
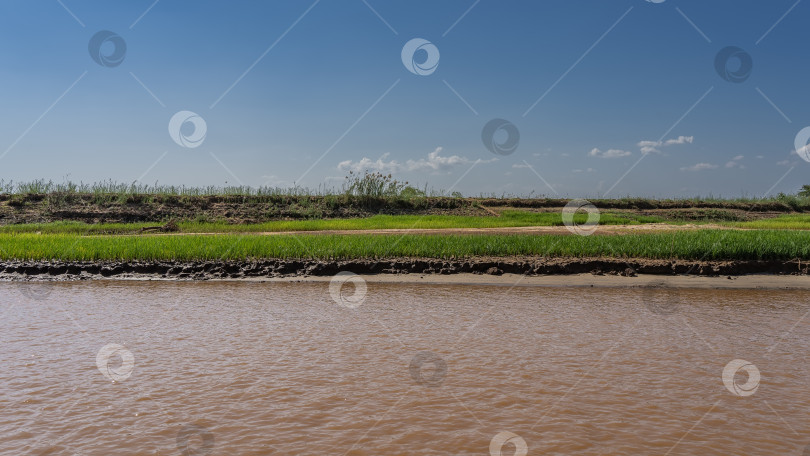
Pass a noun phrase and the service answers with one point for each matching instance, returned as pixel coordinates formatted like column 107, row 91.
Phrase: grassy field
column 693, row 245
column 509, row 218
column 768, row 229
column 41, row 220
column 783, row 222
column 785, row 237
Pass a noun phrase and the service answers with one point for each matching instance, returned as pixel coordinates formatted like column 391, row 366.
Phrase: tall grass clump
column 373, row 185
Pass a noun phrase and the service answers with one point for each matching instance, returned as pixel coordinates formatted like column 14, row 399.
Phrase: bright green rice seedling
column 692, row 245
column 507, row 219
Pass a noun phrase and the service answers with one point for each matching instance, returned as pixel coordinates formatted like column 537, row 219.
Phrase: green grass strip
column 693, row 245
column 783, row 222
column 507, row 219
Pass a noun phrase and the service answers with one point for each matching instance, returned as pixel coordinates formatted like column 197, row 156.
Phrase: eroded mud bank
column 208, row 270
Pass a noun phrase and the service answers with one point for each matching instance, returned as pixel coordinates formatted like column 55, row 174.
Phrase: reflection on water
column 281, row 368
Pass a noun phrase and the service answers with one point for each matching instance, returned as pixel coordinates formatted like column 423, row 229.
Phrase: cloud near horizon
column 611, row 153
column 735, row 162
column 699, row 167
column 648, row 147
column 434, row 162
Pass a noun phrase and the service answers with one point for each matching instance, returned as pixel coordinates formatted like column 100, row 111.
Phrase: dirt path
column 601, row 230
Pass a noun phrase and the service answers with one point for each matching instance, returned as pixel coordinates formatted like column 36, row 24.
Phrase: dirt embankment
column 36, row 208
column 532, row 266
column 642, row 204
column 112, row 208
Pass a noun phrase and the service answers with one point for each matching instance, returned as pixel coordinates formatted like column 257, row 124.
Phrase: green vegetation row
column 783, row 222
column 507, row 219
column 690, row 245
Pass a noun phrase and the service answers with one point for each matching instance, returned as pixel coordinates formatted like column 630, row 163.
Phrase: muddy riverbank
column 273, row 268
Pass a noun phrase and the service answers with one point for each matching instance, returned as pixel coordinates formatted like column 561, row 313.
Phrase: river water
column 168, row 368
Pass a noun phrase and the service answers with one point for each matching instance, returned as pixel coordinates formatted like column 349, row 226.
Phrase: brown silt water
column 225, row 368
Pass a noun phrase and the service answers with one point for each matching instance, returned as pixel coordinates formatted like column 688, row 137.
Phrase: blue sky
column 612, row 98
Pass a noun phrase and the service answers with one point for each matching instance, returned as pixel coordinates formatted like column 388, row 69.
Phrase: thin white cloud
column 275, row 181
column 735, row 162
column 367, row 164
column 790, row 161
column 434, row 162
column 699, row 167
column 680, row 140
column 648, row 147
column 520, row 165
column 611, row 153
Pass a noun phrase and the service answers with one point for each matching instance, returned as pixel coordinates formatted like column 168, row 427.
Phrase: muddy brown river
column 169, row 368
